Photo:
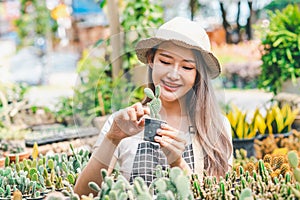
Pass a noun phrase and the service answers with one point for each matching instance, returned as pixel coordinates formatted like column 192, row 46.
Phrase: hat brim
column 143, row 46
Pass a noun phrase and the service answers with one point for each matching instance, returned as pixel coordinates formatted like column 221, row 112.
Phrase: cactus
column 7, row 191
column 71, row 179
column 155, row 103
column 141, row 189
column 7, row 161
column 94, row 186
column 246, row 194
column 294, row 162
column 70, row 193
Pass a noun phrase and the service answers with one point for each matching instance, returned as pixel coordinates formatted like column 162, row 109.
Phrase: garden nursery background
column 66, row 65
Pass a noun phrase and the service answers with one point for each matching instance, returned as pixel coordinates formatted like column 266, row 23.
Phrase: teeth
column 171, row 85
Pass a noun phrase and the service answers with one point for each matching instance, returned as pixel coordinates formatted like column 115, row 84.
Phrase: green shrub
column 281, row 49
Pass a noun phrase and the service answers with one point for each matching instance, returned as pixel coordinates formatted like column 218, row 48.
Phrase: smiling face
column 174, row 69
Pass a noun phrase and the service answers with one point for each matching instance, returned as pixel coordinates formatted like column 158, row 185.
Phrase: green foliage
column 165, row 187
column 138, row 18
column 98, row 94
column 35, row 20
column 281, row 49
column 280, row 4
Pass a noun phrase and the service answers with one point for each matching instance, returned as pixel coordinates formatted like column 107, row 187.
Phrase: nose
column 173, row 74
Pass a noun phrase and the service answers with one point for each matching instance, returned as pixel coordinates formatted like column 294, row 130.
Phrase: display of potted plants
column 243, row 131
column 280, row 53
column 153, row 123
column 277, row 121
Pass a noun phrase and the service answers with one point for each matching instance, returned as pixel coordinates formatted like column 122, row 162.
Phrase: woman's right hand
column 127, row 122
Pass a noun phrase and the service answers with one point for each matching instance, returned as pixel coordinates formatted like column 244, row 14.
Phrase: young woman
column 196, row 136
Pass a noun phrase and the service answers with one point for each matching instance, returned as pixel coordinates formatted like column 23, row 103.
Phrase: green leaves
column 281, row 49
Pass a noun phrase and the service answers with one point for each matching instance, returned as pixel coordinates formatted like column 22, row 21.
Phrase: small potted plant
column 154, row 122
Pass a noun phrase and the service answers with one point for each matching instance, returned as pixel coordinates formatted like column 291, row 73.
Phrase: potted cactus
column 154, row 122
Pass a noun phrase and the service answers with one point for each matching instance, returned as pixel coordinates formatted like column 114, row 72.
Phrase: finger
column 132, row 114
column 165, row 126
column 122, row 115
column 172, row 154
column 146, row 110
column 178, row 135
column 170, row 143
column 141, row 121
column 138, row 108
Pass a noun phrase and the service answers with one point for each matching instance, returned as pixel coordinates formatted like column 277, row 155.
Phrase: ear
column 150, row 61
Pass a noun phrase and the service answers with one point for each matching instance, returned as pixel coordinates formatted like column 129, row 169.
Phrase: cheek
column 192, row 80
column 157, row 72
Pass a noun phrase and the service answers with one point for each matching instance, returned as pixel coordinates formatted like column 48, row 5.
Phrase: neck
column 175, row 108
column 175, row 114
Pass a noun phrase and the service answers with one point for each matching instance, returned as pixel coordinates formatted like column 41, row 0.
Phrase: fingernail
column 157, row 139
column 158, row 131
column 163, row 125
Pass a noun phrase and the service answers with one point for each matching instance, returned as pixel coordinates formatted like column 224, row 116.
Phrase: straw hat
column 185, row 33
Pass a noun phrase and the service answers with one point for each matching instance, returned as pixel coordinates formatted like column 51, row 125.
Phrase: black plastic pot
column 151, row 126
column 247, row 144
column 276, row 135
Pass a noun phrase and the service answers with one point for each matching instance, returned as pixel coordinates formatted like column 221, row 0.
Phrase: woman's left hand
column 172, row 142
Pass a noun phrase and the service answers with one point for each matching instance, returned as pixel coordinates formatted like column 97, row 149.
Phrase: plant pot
column 289, row 87
column 276, row 135
column 12, row 156
column 247, row 144
column 2, row 162
column 296, row 123
column 35, row 198
column 151, row 126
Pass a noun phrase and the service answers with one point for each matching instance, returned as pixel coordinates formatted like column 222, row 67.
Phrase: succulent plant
column 155, row 103
column 294, row 163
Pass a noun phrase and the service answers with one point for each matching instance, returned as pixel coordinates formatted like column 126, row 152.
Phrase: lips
column 170, row 86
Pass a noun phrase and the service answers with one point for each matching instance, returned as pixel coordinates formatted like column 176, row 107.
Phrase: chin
column 170, row 98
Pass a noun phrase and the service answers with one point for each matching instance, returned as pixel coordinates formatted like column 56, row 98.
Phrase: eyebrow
column 169, row 56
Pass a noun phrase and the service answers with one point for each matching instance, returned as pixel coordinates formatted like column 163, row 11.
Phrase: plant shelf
column 49, row 136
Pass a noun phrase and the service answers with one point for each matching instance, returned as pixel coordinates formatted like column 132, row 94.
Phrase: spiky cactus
column 294, row 162
column 155, row 103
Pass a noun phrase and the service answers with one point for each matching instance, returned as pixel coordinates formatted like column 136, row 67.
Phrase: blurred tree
column 194, row 7
column 114, row 26
column 234, row 31
column 135, row 22
column 34, row 22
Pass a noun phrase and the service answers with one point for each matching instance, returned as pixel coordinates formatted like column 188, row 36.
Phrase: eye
column 164, row 62
column 188, row 68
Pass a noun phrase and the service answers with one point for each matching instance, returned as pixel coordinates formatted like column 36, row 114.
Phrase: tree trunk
column 248, row 25
column 114, row 27
column 226, row 25
column 238, row 26
column 193, row 8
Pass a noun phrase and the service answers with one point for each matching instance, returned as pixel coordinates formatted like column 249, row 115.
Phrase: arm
column 180, row 162
column 126, row 122
column 92, row 171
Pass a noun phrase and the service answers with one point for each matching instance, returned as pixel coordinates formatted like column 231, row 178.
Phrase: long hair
column 206, row 117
